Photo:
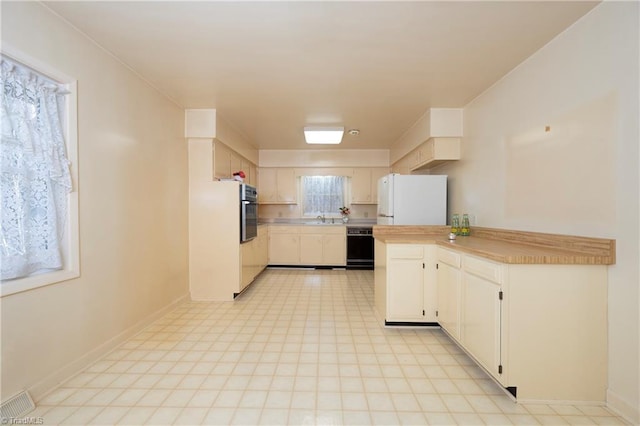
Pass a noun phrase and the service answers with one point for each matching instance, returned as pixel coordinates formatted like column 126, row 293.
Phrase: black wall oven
column 248, row 213
column 360, row 252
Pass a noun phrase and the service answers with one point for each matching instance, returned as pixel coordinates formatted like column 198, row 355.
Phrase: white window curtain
column 323, row 195
column 35, row 177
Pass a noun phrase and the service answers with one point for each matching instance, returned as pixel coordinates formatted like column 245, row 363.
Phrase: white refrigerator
column 412, row 200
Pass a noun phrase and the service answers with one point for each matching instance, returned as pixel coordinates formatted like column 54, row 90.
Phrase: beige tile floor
column 299, row 347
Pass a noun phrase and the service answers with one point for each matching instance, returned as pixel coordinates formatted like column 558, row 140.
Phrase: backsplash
column 292, row 211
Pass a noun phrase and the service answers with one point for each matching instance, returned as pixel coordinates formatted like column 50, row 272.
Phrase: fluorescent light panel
column 323, row 135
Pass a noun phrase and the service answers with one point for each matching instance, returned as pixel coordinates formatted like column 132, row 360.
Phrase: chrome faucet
column 321, row 218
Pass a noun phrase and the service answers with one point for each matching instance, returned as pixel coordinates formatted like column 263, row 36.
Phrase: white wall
column 581, row 177
column 133, row 212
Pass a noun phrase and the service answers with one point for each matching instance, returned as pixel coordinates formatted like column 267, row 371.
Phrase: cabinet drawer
column 284, row 229
column 405, row 251
column 323, row 229
column 488, row 270
column 449, row 257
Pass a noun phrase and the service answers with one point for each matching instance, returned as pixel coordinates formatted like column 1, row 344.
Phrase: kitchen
column 134, row 201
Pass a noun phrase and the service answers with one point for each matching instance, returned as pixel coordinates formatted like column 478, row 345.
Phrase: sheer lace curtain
column 35, row 178
column 323, row 195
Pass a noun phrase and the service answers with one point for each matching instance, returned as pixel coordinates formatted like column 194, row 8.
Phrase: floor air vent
column 17, row 406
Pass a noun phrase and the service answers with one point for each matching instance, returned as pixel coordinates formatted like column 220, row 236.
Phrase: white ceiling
column 270, row 68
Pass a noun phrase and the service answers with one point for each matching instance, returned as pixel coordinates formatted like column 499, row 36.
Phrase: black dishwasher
column 360, row 247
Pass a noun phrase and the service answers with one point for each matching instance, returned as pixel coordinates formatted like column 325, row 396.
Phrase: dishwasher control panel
column 359, row 230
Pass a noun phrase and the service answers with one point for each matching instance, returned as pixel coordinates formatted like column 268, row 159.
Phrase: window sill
column 29, row 283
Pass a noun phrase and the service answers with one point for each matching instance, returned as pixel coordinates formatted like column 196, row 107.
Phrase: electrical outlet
column 366, row 214
column 473, row 220
column 279, row 214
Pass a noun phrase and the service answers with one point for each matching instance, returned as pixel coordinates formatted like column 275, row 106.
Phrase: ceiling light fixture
column 354, row 132
column 323, row 135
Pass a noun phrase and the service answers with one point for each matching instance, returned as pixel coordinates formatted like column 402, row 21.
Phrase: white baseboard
column 623, row 408
column 54, row 380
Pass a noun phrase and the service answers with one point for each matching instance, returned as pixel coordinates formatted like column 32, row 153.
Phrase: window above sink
column 322, row 196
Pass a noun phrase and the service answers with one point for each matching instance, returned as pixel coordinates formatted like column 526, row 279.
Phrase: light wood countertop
column 514, row 247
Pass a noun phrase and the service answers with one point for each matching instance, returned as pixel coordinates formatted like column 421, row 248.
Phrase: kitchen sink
column 328, row 222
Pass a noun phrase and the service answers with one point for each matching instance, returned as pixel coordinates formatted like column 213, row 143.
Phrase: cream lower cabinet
column 311, row 252
column 334, row 248
column 308, row 245
column 481, row 307
column 406, row 292
column 449, row 283
column 323, row 245
column 284, row 245
column 254, row 257
column 539, row 330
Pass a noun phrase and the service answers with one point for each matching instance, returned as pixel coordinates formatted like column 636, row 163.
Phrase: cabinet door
column 253, row 176
column 286, row 183
column 415, row 158
column 263, row 248
column 426, row 152
column 221, row 161
column 361, row 186
column 267, row 186
column 376, row 174
column 405, row 282
column 236, row 163
column 405, row 290
column 449, row 298
column 246, row 168
column 334, row 250
column 284, row 249
column 401, row 166
column 311, row 249
column 247, row 254
column 481, row 320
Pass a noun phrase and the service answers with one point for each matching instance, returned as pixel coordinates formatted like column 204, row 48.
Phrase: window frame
column 336, row 214
column 70, row 243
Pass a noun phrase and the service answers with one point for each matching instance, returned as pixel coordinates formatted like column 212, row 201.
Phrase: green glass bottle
column 465, row 230
column 455, row 224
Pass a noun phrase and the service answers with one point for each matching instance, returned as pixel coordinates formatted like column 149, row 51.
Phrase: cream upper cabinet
column 235, row 163
column 376, row 174
column 361, row 186
column 277, row 186
column 449, row 282
column 246, row 166
column 434, row 152
column 287, row 188
column 267, row 186
column 402, row 166
column 409, row 283
column 253, row 175
column 226, row 162
column 221, row 161
column 364, row 184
